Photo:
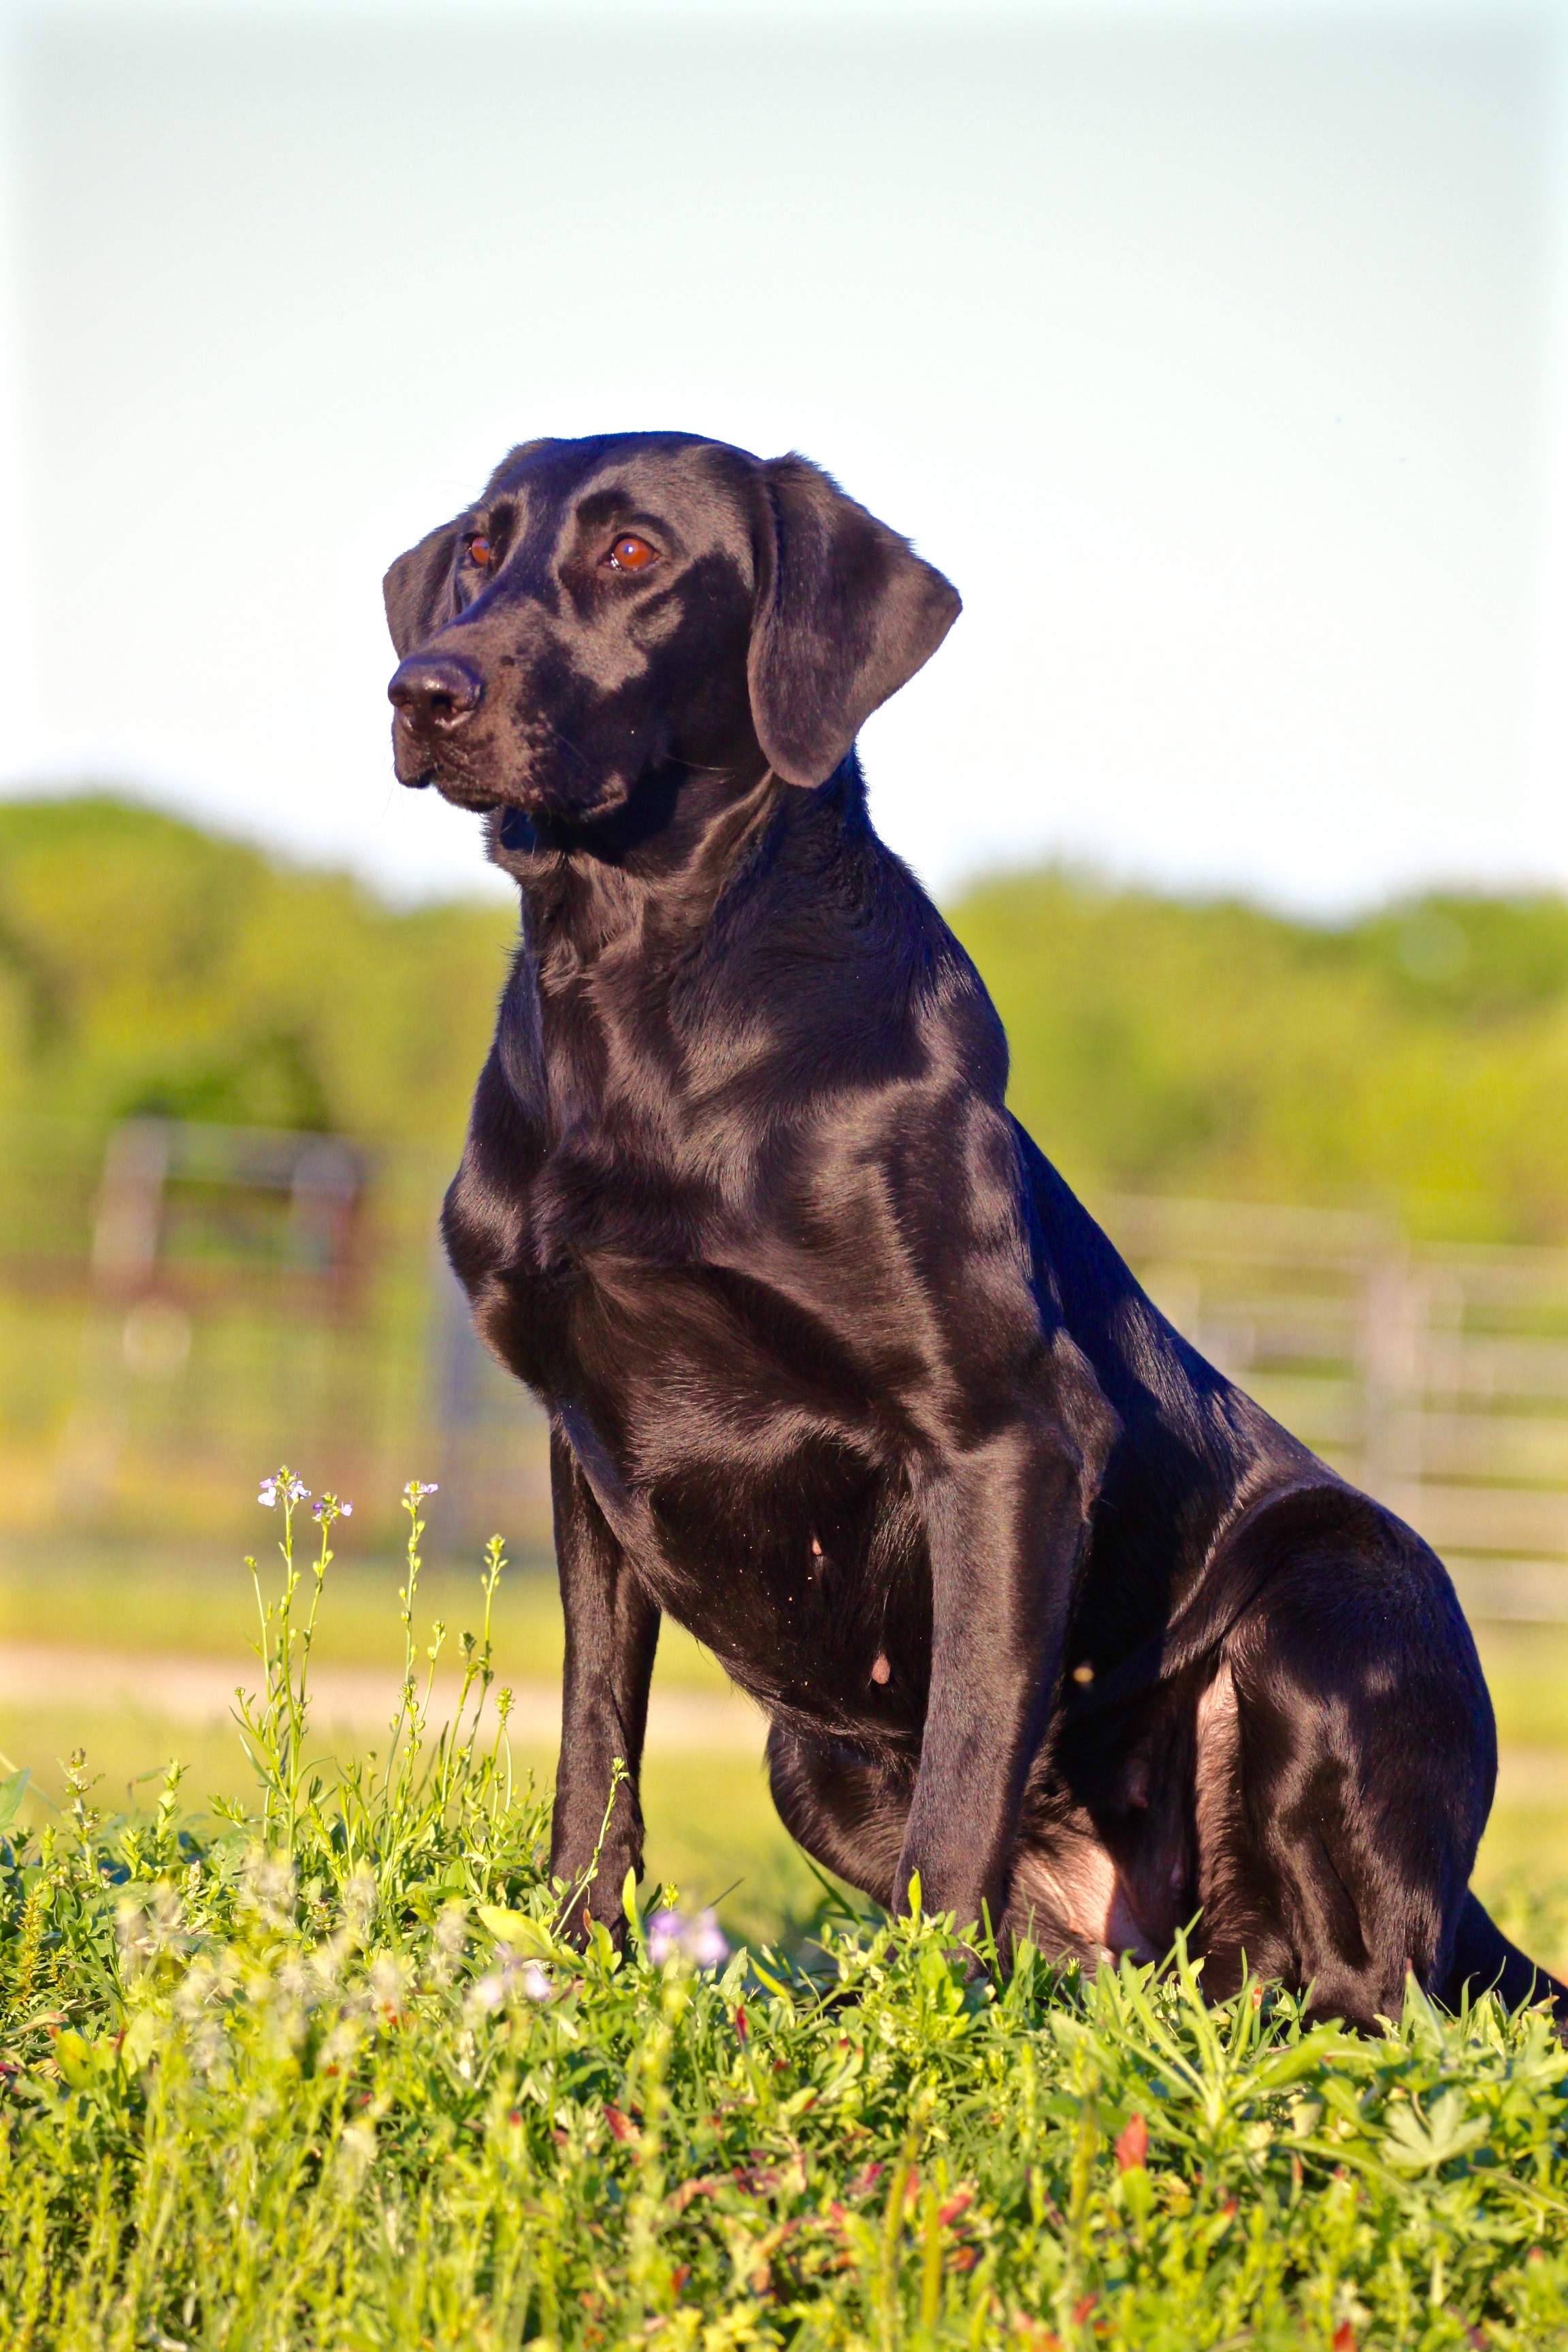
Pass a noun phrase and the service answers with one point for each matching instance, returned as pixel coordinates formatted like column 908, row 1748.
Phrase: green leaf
column 12, row 1792
column 73, row 2056
column 140, row 2041
column 602, row 1946
column 1417, row 2147
column 516, row 1929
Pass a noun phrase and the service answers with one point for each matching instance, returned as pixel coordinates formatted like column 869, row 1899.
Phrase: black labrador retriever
column 838, row 1370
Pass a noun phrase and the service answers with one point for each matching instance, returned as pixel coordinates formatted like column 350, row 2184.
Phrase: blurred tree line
column 147, row 966
column 1415, row 1060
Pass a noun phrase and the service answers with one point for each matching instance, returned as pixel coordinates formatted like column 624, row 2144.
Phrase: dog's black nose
column 435, row 693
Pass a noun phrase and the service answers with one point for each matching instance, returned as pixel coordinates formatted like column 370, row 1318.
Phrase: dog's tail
column 1485, row 1961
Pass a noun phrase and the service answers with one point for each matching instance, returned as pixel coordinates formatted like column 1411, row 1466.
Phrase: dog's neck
column 661, row 865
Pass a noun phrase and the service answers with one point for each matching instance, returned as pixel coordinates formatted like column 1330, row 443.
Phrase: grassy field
column 317, row 2070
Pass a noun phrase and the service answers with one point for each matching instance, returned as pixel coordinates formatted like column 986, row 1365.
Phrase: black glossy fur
column 838, row 1370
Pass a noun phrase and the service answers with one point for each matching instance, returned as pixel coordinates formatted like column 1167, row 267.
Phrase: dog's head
column 613, row 605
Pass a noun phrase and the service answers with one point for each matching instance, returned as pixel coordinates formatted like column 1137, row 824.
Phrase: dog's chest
column 755, row 1500
column 635, row 1270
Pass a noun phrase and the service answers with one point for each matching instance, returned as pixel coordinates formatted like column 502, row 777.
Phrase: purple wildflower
column 708, row 1947
column 282, row 1487
column 702, row 1940
column 664, row 1936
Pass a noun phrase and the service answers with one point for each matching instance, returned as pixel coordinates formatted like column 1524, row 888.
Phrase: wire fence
column 1436, row 1378
column 184, row 1308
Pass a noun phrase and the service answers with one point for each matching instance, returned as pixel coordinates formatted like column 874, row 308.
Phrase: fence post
column 1392, row 1364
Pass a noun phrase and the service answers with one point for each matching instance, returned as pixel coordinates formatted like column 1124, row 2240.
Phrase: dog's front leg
column 1005, row 1527
column 611, row 1631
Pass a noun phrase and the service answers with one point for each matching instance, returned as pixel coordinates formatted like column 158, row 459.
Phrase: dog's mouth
column 457, row 770
column 461, row 794
column 427, row 772
column 421, row 766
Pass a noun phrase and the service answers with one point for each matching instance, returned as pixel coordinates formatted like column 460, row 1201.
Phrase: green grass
column 1527, row 1672
column 290, row 2053
column 313, row 2068
column 711, row 1826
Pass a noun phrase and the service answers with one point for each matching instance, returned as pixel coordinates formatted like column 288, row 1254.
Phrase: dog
column 1042, row 1608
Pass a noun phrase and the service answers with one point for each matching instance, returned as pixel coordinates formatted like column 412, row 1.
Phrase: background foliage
column 146, row 966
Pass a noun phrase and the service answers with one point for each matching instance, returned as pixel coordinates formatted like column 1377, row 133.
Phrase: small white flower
column 266, row 1882
column 326, row 1962
column 146, row 1926
column 359, row 1903
column 356, row 2149
column 293, row 1983
column 389, row 1983
column 535, row 1983
column 447, row 1944
column 339, row 2046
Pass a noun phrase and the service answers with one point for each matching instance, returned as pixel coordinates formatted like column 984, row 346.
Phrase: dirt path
column 361, row 1700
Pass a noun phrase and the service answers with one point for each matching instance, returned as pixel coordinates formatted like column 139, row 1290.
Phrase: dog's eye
column 479, row 550
column 631, row 554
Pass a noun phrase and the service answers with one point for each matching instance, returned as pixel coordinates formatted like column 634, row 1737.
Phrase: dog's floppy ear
column 846, row 613
column 416, row 590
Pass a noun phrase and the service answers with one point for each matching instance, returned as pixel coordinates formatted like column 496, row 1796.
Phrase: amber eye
column 631, row 554
column 479, row 550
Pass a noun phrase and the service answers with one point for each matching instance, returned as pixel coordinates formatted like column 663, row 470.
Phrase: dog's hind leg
column 1344, row 1770
column 845, row 1805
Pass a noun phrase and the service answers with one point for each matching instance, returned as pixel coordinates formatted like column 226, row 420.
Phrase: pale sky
column 1216, row 354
